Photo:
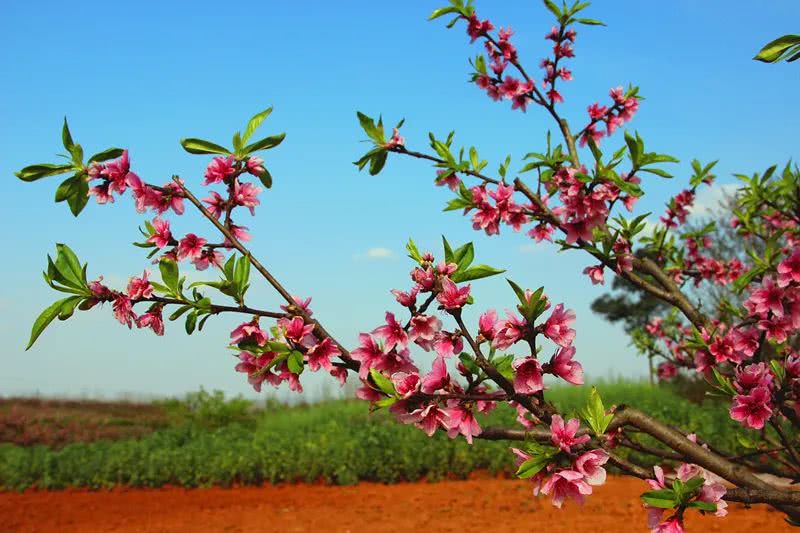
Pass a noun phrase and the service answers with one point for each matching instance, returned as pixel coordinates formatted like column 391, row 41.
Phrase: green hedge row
column 338, row 442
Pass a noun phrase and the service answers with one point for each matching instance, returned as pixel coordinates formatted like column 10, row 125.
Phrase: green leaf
column 79, row 199
column 41, row 170
column 44, row 320
column 369, row 127
column 69, row 265
column 265, row 144
column 704, row 506
column 382, row 382
column 594, row 413
column 779, row 49
column 266, row 179
column 476, row 272
column 464, row 255
column 254, row 123
column 199, row 146
column 68, row 307
column 442, row 11
column 413, row 251
column 295, row 362
column 377, row 163
column 532, row 466
column 169, row 274
column 191, row 321
column 66, row 137
column 448, row 251
column 590, row 22
column 661, row 503
column 69, row 187
column 105, row 155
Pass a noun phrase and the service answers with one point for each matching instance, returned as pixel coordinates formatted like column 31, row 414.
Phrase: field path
column 459, row 506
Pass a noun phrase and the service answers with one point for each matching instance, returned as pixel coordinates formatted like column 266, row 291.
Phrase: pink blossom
column 219, row 170
column 437, row 378
column 752, row 409
column 255, row 166
column 447, row 344
column 139, row 288
column 216, row 204
column 423, row 330
column 406, row 299
column 190, row 246
column 476, row 28
column 240, row 233
column 666, row 371
column 528, row 375
column 296, row 330
column 368, row 354
column 566, row 483
column 299, row 303
column 208, row 257
column 563, row 366
column 162, row 236
column 564, row 435
column 405, row 384
column 713, row 493
column 671, row 525
column 319, row 355
column 425, row 278
column 449, row 178
column 340, row 374
column 427, row 418
column 152, row 319
column 100, row 291
column 542, row 232
column 453, row 297
column 249, row 331
column 789, row 269
column 392, row 333
column 590, row 464
column 117, row 172
column 396, row 140
column 487, row 323
column 557, row 329
column 123, row 310
column 596, row 111
column 461, row 420
column 246, row 194
column 595, row 274
column 509, row 331
column 659, row 482
column 767, row 298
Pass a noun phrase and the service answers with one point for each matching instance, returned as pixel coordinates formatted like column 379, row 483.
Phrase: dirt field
column 488, row 505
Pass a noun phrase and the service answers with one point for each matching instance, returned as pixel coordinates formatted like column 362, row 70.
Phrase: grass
column 212, row 441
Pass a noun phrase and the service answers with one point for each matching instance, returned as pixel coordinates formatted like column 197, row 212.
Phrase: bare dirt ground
column 488, row 505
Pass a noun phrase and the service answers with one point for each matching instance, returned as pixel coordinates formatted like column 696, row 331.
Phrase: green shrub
column 221, row 442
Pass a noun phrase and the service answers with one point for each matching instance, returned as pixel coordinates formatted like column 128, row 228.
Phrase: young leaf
column 265, row 143
column 254, row 123
column 382, row 382
column 44, row 319
column 295, row 362
column 169, row 274
column 199, row 146
column 105, row 155
column 42, row 170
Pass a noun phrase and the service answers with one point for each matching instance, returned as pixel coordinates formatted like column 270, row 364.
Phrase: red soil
column 490, row 505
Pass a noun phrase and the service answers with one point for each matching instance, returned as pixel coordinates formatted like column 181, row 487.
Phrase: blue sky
column 142, row 75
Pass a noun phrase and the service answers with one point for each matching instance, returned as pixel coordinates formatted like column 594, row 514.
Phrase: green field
column 210, row 441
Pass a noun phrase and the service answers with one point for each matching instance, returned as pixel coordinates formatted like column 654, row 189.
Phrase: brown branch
column 295, row 309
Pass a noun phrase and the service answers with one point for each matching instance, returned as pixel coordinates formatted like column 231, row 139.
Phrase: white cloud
column 376, row 253
column 708, row 199
column 531, row 247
